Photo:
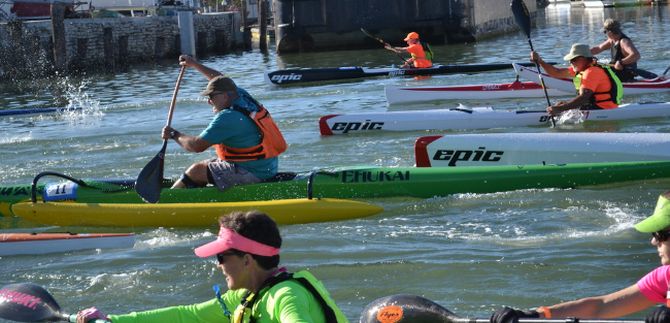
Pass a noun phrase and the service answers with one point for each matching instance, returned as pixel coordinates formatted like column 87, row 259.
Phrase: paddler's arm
column 550, row 69
column 620, row 303
column 600, row 48
column 189, row 61
column 580, row 100
column 190, row 143
column 398, row 50
column 633, row 55
column 209, row 311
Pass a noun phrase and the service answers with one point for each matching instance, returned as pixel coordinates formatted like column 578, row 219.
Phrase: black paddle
column 381, row 41
column 26, row 302
column 149, row 181
column 522, row 18
column 416, row 309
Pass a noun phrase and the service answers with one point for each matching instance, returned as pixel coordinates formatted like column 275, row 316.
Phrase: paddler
column 597, row 85
column 244, row 136
column 421, row 53
column 650, row 290
column 624, row 55
column 247, row 252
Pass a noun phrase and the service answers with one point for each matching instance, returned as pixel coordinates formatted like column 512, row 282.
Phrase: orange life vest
column 272, row 141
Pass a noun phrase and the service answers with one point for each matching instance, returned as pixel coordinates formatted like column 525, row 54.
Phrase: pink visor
column 229, row 239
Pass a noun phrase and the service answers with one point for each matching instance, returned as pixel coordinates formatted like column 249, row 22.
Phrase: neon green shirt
column 285, row 302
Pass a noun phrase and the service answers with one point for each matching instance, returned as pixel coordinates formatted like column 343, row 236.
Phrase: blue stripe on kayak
column 16, row 112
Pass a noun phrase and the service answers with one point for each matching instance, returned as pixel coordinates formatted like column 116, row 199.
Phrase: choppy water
column 469, row 252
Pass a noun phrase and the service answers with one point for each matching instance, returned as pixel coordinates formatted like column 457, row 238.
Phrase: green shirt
column 286, row 302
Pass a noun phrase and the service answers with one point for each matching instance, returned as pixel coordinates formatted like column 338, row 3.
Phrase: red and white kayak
column 655, row 85
column 517, row 89
column 472, row 118
column 42, row 243
column 539, row 148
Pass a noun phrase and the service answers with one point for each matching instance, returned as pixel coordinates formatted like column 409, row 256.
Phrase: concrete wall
column 107, row 43
column 491, row 17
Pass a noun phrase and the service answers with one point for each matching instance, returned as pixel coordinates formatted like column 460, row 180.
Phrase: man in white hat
column 597, row 86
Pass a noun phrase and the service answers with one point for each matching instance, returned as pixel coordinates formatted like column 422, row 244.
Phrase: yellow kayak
column 289, row 211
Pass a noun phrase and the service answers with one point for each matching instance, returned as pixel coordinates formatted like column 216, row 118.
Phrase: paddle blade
column 149, row 182
column 521, row 15
column 405, row 308
column 26, row 302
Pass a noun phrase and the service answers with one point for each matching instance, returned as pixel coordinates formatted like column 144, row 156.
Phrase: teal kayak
column 357, row 183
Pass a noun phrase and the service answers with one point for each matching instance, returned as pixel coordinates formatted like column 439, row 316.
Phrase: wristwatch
column 173, row 133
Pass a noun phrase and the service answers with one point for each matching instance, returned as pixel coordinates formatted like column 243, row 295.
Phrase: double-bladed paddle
column 149, row 182
column 381, row 41
column 26, row 302
column 522, row 18
column 416, row 309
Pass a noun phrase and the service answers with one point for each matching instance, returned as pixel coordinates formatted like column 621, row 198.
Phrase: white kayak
column 396, row 95
column 655, row 85
column 539, row 148
column 42, row 243
column 472, row 118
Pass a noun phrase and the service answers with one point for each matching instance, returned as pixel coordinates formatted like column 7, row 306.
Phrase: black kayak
column 304, row 75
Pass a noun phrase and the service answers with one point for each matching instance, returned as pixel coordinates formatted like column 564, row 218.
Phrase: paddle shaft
column 174, row 95
column 381, row 41
column 522, row 18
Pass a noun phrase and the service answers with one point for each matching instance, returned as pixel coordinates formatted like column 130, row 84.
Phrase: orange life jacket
column 272, row 141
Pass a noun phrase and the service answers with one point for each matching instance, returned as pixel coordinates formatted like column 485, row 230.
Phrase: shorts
column 225, row 175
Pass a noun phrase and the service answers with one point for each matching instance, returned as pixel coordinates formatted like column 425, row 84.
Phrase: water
column 469, row 252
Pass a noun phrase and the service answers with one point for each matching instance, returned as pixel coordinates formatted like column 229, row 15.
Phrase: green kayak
column 357, row 183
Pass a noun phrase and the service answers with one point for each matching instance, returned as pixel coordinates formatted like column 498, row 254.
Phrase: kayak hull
column 397, row 95
column 307, row 75
column 293, row 211
column 363, row 183
column 539, row 148
column 43, row 243
column 656, row 85
column 472, row 118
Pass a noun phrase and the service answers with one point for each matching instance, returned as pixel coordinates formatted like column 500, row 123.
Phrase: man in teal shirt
column 243, row 154
column 247, row 250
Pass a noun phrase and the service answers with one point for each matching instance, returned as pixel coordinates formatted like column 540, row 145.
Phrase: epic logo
column 281, row 78
column 454, row 156
column 349, row 126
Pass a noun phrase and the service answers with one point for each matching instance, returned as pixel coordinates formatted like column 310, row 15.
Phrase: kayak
column 539, row 148
column 472, row 118
column 349, row 183
column 23, row 112
column 305, row 75
column 289, row 211
column 517, row 89
column 655, row 85
column 42, row 243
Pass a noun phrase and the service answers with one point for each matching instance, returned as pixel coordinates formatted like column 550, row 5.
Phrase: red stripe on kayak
column 421, row 150
column 19, row 237
column 479, row 87
column 323, row 125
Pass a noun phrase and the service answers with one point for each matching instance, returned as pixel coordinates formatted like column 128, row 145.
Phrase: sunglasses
column 213, row 94
column 221, row 257
column 661, row 236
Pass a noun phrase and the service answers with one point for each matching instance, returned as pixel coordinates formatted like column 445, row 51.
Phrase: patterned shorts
column 226, row 175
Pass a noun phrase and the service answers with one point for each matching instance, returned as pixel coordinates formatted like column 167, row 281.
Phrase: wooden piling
column 58, row 35
column 263, row 26
column 108, row 48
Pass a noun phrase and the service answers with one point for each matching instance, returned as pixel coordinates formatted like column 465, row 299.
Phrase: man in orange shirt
column 421, row 54
column 597, row 86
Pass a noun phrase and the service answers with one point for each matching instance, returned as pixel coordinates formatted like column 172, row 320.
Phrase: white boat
column 396, row 95
column 598, row 3
column 655, row 85
column 42, row 243
column 472, row 118
column 539, row 148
